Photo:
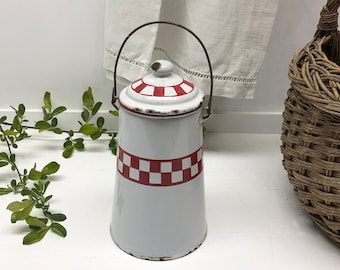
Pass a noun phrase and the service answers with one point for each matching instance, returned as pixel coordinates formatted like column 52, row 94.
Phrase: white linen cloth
column 235, row 33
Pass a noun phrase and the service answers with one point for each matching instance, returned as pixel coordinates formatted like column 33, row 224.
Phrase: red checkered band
column 154, row 172
column 140, row 87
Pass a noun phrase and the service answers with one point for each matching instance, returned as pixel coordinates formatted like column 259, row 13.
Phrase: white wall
column 57, row 46
column 294, row 26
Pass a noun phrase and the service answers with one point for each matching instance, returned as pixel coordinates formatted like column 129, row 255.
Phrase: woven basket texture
column 311, row 124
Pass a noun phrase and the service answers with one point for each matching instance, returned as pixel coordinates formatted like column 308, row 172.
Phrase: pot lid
column 161, row 93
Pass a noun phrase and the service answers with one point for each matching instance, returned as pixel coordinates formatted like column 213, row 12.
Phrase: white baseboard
column 245, row 122
column 220, row 121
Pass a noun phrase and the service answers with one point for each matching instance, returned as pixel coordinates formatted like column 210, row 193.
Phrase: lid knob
column 162, row 68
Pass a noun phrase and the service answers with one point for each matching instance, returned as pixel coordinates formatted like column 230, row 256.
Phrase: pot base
column 162, row 258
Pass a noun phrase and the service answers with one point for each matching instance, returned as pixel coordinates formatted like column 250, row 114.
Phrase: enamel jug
column 159, row 203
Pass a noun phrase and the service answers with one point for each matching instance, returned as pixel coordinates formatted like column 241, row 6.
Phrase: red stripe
column 159, row 91
column 189, row 83
column 179, row 90
column 140, row 87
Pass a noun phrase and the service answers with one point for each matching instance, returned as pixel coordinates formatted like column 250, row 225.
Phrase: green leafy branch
column 88, row 125
column 32, row 184
column 49, row 121
column 34, row 195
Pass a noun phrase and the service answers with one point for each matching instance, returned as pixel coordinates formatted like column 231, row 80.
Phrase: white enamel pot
column 159, row 203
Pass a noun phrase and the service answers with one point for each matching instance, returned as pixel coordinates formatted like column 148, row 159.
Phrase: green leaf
column 27, row 192
column 100, row 122
column 46, row 184
column 21, row 110
column 79, row 146
column 54, row 122
column 42, row 125
column 113, row 142
column 96, row 135
column 85, row 115
column 3, row 119
column 12, row 158
column 88, row 99
column 96, row 107
column 58, row 229
column 38, row 187
column 113, row 145
column 50, row 168
column 13, row 183
column 17, row 205
column 4, row 156
column 36, row 222
column 8, row 132
column 49, row 197
column 35, row 236
column 4, row 191
column 57, row 217
column 34, row 174
column 22, row 135
column 47, row 101
column 22, row 214
column 47, row 114
column 204, row 130
column 79, row 140
column 114, row 113
column 14, row 109
column 88, row 129
column 57, row 130
column 58, row 110
column 67, row 144
column 16, row 124
column 67, row 153
column 3, row 163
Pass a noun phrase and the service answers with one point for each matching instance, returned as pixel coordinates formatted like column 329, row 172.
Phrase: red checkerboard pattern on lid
column 159, row 172
column 140, row 87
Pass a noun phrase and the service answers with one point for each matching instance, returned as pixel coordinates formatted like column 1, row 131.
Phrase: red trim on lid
column 183, row 88
column 159, row 91
column 179, row 90
column 140, row 87
column 188, row 83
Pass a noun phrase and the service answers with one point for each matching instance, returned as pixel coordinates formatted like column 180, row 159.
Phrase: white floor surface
column 254, row 219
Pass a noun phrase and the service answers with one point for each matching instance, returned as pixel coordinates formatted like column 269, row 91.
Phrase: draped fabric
column 235, row 33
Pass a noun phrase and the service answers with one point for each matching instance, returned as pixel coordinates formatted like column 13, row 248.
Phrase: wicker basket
column 311, row 124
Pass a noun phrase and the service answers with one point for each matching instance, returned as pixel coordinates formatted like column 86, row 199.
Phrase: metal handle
column 207, row 109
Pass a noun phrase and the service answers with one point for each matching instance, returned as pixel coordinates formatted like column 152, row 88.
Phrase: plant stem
column 11, row 153
column 64, row 131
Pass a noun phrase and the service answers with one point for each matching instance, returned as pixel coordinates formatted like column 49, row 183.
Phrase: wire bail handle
column 207, row 108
